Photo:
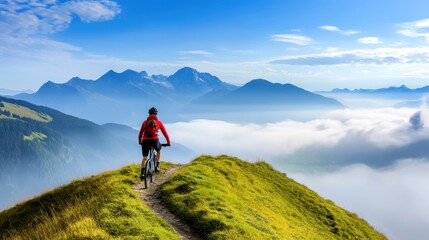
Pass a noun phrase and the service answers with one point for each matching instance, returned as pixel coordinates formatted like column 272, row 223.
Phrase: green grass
column 99, row 207
column 35, row 136
column 220, row 197
column 25, row 112
column 227, row 198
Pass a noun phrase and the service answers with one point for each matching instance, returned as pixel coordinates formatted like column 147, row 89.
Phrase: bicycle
column 149, row 176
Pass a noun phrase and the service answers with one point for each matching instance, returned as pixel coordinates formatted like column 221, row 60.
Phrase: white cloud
column 331, row 49
column 196, row 52
column 360, row 56
column 26, row 18
column 414, row 29
column 394, row 200
column 25, row 26
column 419, row 73
column 93, row 11
column 330, row 28
column 34, row 48
column 23, row 22
column 292, row 38
column 349, row 32
column 336, row 29
column 247, row 136
column 369, row 40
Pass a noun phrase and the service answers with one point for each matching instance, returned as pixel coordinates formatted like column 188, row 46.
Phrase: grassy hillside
column 100, row 207
column 226, row 198
column 220, row 197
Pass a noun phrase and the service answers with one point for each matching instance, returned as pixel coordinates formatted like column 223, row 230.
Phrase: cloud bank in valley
column 376, row 137
column 373, row 162
column 394, row 200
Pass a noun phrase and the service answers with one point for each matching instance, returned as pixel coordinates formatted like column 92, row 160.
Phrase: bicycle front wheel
column 147, row 175
column 152, row 174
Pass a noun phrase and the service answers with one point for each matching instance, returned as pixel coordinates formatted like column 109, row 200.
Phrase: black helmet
column 153, row 110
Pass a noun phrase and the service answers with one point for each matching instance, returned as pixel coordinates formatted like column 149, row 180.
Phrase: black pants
column 146, row 144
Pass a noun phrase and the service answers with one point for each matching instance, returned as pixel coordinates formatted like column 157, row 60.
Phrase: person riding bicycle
column 148, row 137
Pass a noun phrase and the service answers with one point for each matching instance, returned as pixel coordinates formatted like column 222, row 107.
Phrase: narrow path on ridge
column 151, row 197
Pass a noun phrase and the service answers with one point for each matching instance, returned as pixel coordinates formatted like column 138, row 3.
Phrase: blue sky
column 317, row 45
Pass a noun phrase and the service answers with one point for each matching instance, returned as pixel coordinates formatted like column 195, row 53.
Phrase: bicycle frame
column 150, row 167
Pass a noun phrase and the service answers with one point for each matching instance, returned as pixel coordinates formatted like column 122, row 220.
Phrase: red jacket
column 159, row 126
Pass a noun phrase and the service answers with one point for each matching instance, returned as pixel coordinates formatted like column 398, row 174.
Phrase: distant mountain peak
column 341, row 89
column 402, row 87
column 112, row 76
column 392, row 89
column 186, row 73
column 56, row 89
column 48, row 84
column 188, row 69
column 4, row 91
column 108, row 75
column 130, row 74
column 262, row 83
column 79, row 82
column 144, row 74
column 129, row 71
column 158, row 76
column 263, row 92
column 258, row 81
column 74, row 79
column 191, row 83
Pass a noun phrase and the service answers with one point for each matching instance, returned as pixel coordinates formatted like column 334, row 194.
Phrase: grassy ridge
column 100, row 207
column 226, row 198
column 220, row 197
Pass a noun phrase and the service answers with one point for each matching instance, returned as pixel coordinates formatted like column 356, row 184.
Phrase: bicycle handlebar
column 165, row 145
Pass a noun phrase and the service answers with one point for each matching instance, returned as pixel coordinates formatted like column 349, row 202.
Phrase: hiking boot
column 157, row 167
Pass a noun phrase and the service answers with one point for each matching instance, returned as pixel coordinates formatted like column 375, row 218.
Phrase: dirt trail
column 152, row 198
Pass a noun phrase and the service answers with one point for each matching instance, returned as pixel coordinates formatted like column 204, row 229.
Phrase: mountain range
column 260, row 92
column 397, row 97
column 125, row 97
column 401, row 92
column 185, row 84
column 8, row 92
column 400, row 89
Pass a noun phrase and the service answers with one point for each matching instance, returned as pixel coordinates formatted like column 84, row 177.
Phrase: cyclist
column 148, row 137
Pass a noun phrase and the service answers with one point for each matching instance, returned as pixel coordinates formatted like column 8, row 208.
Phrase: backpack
column 151, row 129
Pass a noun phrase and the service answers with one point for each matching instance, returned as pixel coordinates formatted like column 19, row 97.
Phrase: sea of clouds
column 394, row 200
column 373, row 162
column 377, row 137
